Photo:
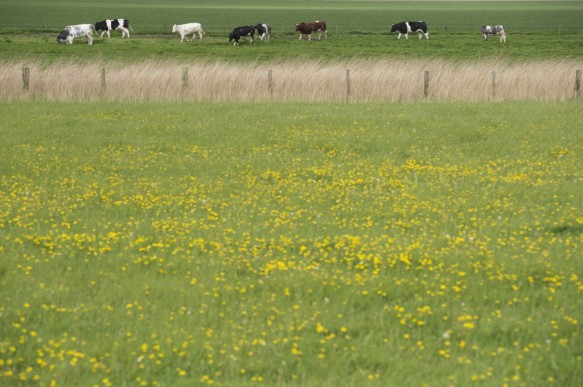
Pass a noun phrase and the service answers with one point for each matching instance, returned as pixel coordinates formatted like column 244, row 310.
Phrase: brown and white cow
column 315, row 26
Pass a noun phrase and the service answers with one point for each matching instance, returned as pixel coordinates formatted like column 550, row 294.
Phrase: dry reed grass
column 370, row 80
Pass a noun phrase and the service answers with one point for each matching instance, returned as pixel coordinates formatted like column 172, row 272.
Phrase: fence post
column 102, row 90
column 578, row 83
column 493, row 84
column 426, row 84
column 184, row 79
column 347, row 85
column 270, row 82
column 25, row 78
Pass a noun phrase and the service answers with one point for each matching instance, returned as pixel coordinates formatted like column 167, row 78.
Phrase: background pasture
column 357, row 29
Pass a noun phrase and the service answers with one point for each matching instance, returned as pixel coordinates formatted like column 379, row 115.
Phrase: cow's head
column 62, row 36
column 174, row 28
column 394, row 28
column 300, row 25
column 231, row 36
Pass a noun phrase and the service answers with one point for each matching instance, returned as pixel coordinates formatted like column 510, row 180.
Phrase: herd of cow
column 263, row 30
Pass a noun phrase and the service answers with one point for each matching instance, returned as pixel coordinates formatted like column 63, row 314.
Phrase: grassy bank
column 319, row 244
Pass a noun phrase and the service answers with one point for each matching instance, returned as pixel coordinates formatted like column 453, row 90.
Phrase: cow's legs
column 124, row 32
column 89, row 39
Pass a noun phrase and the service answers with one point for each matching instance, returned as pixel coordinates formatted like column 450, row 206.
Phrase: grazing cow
column 315, row 26
column 494, row 30
column 407, row 27
column 189, row 28
column 264, row 31
column 111, row 25
column 239, row 32
column 76, row 31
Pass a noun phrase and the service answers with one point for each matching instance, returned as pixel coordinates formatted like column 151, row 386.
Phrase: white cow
column 187, row 29
column 76, row 31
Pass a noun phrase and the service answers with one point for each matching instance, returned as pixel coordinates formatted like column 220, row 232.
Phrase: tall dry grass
column 369, row 80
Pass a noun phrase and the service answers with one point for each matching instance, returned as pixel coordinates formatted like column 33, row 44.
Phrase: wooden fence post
column 493, row 84
column 426, row 84
column 102, row 90
column 184, row 78
column 347, row 85
column 25, row 78
column 270, row 82
column 578, row 83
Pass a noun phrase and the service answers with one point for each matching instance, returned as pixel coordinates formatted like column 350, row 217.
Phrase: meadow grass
column 304, row 244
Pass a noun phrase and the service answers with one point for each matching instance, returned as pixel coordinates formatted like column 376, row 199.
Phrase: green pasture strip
column 462, row 46
column 291, row 244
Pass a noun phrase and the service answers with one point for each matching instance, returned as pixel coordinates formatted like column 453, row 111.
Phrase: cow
column 189, row 28
column 315, row 26
column 76, row 31
column 241, row 31
column 111, row 25
column 494, row 30
column 264, row 31
column 404, row 28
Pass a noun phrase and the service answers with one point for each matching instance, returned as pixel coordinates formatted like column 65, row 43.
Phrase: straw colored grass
column 368, row 80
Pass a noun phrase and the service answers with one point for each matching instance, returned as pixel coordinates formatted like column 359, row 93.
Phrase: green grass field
column 329, row 244
column 358, row 29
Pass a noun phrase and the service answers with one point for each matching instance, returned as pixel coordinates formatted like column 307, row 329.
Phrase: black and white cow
column 264, row 31
column 494, row 30
column 239, row 32
column 76, row 31
column 406, row 27
column 111, row 25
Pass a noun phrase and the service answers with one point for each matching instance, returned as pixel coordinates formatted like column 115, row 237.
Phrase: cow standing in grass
column 264, row 31
column 187, row 29
column 239, row 32
column 318, row 26
column 494, row 30
column 111, row 25
column 76, row 31
column 406, row 27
